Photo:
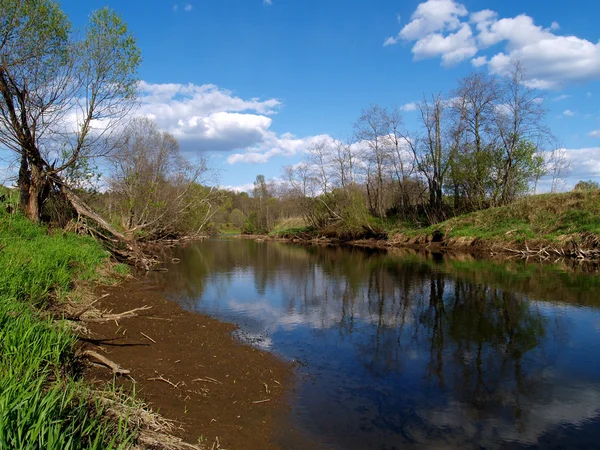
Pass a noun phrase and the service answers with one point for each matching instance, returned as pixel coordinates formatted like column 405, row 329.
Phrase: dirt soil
column 190, row 368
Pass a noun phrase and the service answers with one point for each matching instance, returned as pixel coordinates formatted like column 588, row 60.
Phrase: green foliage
column 34, row 264
column 589, row 185
column 237, row 218
column 41, row 405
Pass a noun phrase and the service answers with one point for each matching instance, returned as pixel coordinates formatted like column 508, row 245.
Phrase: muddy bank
column 191, row 369
column 582, row 246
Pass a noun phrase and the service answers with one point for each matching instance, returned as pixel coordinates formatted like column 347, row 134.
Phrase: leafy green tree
column 588, row 185
column 61, row 96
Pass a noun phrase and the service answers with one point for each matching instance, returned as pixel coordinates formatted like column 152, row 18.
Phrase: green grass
column 35, row 264
column 42, row 404
column 549, row 217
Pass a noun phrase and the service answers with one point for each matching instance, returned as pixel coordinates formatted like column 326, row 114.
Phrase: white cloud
column 560, row 97
column 247, row 187
column 285, row 145
column 407, row 107
column 595, row 133
column 569, row 113
column 444, row 28
column 207, row 118
column 188, row 7
column 432, row 16
column 453, row 48
column 479, row 61
column 585, row 162
column 268, row 2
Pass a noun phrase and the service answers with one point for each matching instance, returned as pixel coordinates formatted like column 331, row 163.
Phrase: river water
column 400, row 350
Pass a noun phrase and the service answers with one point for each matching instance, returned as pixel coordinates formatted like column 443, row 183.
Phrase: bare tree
column 559, row 166
column 320, row 158
column 431, row 153
column 372, row 130
column 153, row 186
column 519, row 119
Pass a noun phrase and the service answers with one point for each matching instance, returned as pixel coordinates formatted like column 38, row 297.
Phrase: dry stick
column 147, row 337
column 262, row 401
column 115, row 317
column 86, row 308
column 207, row 380
column 165, row 380
column 107, row 362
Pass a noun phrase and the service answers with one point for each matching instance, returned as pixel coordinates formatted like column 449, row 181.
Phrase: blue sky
column 252, row 83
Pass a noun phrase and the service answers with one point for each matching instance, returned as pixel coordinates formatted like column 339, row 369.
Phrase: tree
column 60, row 96
column 559, row 167
column 588, row 185
column 519, row 121
column 371, row 129
column 152, row 184
column 474, row 106
column 431, row 153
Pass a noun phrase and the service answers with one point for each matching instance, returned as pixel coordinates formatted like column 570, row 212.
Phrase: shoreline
column 582, row 247
column 189, row 367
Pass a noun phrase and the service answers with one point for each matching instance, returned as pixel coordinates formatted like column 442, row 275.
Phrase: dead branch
column 118, row 370
column 160, row 378
column 110, row 317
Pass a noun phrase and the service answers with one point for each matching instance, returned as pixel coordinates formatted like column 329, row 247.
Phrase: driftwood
column 111, row 317
column 118, row 370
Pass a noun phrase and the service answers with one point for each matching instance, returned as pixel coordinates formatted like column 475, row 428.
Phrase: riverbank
column 189, row 367
column 546, row 226
column 43, row 401
column 60, row 387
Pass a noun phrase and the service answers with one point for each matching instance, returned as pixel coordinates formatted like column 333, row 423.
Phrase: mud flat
column 220, row 392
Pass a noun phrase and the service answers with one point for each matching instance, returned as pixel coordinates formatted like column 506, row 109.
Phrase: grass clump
column 42, row 404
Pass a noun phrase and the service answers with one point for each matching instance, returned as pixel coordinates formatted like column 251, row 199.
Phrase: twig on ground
column 147, row 337
column 160, row 378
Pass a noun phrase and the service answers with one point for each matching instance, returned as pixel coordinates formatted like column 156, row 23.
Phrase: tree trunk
column 33, row 208
column 24, row 182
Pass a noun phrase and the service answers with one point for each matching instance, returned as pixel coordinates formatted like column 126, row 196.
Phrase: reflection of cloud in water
column 564, row 405
column 273, row 317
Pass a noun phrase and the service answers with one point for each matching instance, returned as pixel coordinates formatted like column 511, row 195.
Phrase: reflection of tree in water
column 473, row 336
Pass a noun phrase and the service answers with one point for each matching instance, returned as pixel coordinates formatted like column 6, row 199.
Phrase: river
column 402, row 350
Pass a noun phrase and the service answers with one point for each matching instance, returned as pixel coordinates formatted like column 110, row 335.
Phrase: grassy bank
column 560, row 221
column 550, row 219
column 42, row 403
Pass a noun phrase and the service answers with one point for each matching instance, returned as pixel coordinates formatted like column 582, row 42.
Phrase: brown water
column 408, row 351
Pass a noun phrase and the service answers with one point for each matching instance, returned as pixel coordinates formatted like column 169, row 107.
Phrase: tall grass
column 42, row 405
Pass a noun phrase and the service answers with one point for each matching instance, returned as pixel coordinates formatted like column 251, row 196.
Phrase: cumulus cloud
column 445, row 29
column 207, row 118
column 273, row 145
column 595, row 133
column 585, row 162
column 569, row 113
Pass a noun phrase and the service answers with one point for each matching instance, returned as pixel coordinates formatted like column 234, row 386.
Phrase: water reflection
column 400, row 350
